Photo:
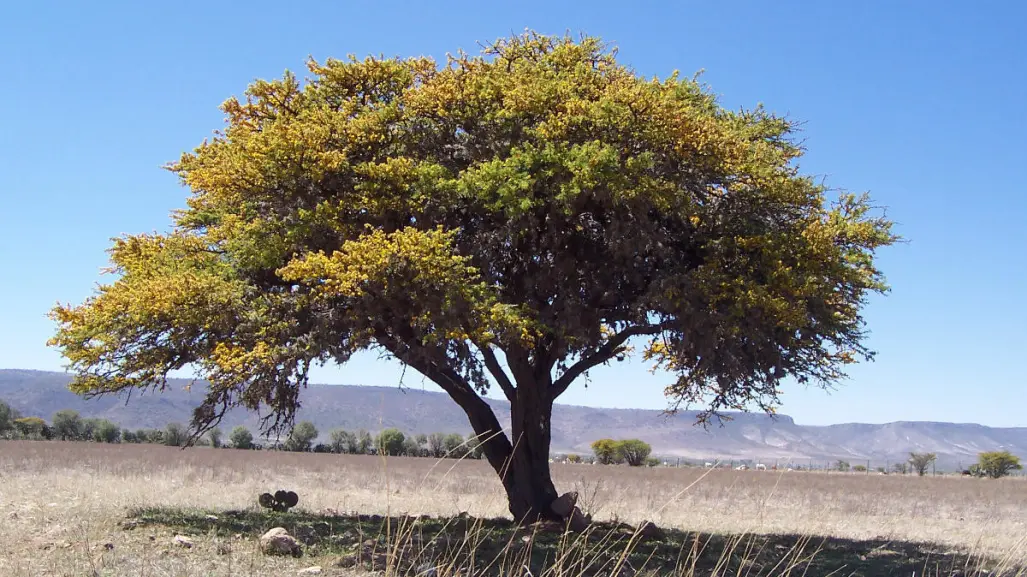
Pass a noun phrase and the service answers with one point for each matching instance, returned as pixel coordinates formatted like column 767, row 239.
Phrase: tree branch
column 602, row 354
column 492, row 363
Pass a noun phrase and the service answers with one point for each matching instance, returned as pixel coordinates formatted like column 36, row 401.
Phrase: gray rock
column 278, row 541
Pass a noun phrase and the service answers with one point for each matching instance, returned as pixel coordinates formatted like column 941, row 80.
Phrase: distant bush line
column 68, row 425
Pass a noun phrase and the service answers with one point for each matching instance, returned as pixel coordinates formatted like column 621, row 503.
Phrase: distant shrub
column 391, row 442
column 652, row 462
column 214, row 436
column 175, row 435
column 437, row 445
column 635, row 452
column 66, row 425
column 342, row 441
column 31, row 428
column 573, row 458
column 106, row 431
column 411, row 448
column 860, row 468
column 8, row 415
column 842, row 466
column 454, row 445
column 365, row 443
column 997, row 464
column 241, row 438
column 921, row 461
column 301, row 438
column 607, row 451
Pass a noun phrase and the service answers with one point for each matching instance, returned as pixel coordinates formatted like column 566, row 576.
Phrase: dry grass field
column 64, row 507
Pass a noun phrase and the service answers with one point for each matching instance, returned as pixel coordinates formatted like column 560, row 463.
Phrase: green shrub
column 106, row 431
column 175, row 435
column 634, row 452
column 391, row 442
column 241, row 438
column 996, row 464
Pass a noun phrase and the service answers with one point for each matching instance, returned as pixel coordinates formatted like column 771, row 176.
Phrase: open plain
column 92, row 509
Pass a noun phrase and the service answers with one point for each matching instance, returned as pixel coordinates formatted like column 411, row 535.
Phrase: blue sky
column 924, row 104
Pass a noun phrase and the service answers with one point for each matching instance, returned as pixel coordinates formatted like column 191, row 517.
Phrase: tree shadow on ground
column 441, row 546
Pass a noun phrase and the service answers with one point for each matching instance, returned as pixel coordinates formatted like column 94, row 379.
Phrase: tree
column 301, row 438
column 106, row 431
column 453, row 446
column 66, row 425
column 342, row 441
column 437, row 445
column 241, row 438
column 607, row 451
column 390, row 442
column 8, row 415
column 921, row 461
column 175, row 435
column 634, row 452
column 842, row 466
column 31, row 428
column 411, row 448
column 511, row 219
column 997, row 464
column 215, row 437
column 364, row 443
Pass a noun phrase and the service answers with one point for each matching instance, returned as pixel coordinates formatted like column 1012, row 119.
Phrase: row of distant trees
column 633, row 452
column 69, row 425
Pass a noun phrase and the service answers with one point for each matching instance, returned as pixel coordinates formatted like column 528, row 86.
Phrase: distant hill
column 746, row 436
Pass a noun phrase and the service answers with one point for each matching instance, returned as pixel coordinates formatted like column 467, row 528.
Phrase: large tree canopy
column 516, row 217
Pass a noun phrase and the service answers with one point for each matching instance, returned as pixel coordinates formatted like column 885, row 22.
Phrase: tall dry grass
column 62, row 500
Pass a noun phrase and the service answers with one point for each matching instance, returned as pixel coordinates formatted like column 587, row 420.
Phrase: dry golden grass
column 61, row 503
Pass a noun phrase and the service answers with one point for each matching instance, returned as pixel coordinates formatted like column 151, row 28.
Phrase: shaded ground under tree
column 415, row 544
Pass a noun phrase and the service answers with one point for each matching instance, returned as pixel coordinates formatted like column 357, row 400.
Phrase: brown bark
column 523, row 465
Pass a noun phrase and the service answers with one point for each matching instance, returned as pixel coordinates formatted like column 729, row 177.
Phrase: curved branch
column 602, row 354
column 492, row 363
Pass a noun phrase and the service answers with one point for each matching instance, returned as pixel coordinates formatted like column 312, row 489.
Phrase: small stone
column 211, row 517
column 13, row 515
column 315, row 570
column 108, row 546
column 347, row 562
column 183, row 541
column 278, row 541
column 151, row 537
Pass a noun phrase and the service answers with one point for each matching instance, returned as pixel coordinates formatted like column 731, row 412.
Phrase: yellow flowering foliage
column 539, row 199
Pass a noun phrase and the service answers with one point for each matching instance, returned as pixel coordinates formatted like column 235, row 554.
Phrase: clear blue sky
column 924, row 104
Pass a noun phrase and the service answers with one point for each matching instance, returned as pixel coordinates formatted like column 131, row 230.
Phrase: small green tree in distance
column 301, row 438
column 634, row 452
column 607, row 451
column 920, row 462
column 214, row 435
column 66, row 425
column 997, row 464
column 241, row 438
column 540, row 202
column 391, row 442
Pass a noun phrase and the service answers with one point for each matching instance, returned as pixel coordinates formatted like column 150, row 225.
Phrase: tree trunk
column 529, row 484
column 523, row 465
